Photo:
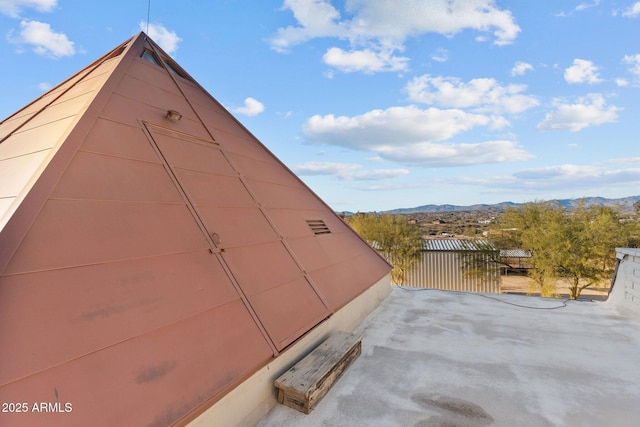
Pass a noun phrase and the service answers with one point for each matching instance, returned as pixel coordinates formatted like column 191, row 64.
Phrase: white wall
column 625, row 292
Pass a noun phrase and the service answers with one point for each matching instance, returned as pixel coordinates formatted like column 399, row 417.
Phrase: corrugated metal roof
column 457, row 245
column 515, row 253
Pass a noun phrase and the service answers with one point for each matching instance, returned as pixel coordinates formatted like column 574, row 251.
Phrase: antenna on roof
column 148, row 15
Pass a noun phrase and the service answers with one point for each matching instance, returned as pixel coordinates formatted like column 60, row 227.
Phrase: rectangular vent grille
column 318, row 226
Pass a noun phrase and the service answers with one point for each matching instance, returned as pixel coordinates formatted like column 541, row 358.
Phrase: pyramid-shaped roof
column 153, row 253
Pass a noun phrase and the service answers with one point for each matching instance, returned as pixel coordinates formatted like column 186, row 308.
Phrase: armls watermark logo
column 50, row 407
column 36, row 407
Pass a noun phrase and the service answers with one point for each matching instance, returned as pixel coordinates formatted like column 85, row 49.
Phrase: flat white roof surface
column 441, row 358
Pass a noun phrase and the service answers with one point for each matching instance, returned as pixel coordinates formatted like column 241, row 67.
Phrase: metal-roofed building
column 155, row 257
column 515, row 259
column 457, row 265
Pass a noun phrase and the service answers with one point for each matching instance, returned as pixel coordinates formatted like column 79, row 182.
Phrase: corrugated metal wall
column 456, row 265
column 450, row 270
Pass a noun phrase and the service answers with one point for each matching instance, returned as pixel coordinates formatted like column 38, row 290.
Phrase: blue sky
column 382, row 104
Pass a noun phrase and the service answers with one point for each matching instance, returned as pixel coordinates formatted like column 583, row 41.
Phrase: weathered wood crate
column 306, row 383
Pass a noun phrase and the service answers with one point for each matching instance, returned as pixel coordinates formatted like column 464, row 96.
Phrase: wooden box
column 306, row 383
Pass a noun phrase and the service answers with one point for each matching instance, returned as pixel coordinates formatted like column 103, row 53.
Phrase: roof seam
column 115, row 156
column 45, row 124
column 26, row 154
column 62, row 93
column 141, row 202
column 70, row 267
column 116, row 343
column 63, row 162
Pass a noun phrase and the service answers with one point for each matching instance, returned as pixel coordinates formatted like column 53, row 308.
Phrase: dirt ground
column 516, row 284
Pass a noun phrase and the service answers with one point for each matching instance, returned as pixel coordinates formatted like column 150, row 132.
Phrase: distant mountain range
column 625, row 204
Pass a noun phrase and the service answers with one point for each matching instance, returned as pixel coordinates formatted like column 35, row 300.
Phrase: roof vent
column 174, row 69
column 318, row 226
column 150, row 57
column 116, row 52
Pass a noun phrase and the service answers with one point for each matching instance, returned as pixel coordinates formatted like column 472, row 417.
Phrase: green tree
column 534, row 227
column 393, row 236
column 577, row 246
column 481, row 260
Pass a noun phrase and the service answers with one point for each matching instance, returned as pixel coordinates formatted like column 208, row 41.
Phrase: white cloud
column 551, row 172
column 376, row 174
column 395, row 126
column 584, row 6
column 576, row 176
column 440, row 55
column 347, row 171
column 622, row 82
column 579, row 8
column 634, row 64
column 633, row 10
column 451, row 154
column 44, row 40
column 520, row 68
column 410, row 135
column 168, row 40
column 252, row 107
column 44, row 86
column 568, row 178
column 367, row 60
column 625, row 160
column 582, row 71
column 389, row 19
column 587, row 111
column 316, row 18
column 13, row 8
column 378, row 28
column 481, row 95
